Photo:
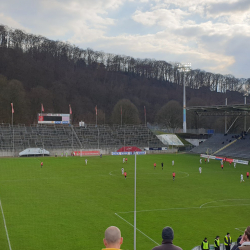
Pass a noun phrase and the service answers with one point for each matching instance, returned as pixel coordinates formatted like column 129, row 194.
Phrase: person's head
column 167, row 233
column 247, row 234
column 217, row 237
column 205, row 239
column 228, row 234
column 113, row 237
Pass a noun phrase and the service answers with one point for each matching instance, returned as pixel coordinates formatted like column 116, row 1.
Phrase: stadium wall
column 7, row 153
column 63, row 151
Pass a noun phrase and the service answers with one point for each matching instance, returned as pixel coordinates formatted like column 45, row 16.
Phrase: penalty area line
column 137, row 229
column 5, row 226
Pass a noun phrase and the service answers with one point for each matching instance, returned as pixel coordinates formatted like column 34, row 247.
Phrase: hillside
column 36, row 70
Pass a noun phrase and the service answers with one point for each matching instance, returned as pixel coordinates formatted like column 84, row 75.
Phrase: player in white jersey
column 123, row 160
column 122, row 170
column 200, row 161
column 86, row 161
column 234, row 164
column 241, row 178
column 172, row 163
column 208, row 160
column 200, row 169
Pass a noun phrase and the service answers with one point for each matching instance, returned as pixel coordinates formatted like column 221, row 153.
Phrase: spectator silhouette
column 167, row 240
column 113, row 238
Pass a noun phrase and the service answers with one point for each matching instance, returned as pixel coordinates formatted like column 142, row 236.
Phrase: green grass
column 67, row 205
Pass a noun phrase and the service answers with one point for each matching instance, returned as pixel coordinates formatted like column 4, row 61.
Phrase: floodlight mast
column 184, row 67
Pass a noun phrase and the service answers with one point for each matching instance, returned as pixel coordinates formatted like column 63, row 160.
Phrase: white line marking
column 179, row 208
column 240, row 230
column 6, row 230
column 137, row 229
column 183, row 208
column 223, row 200
column 164, row 177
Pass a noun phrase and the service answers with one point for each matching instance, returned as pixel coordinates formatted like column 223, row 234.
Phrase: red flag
column 12, row 108
column 96, row 109
column 121, row 110
column 42, row 108
column 144, row 110
column 70, row 110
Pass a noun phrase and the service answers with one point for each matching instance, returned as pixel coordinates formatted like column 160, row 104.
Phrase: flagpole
column 12, row 112
column 121, row 115
column 41, row 125
column 70, row 113
column 135, row 207
column 145, row 114
column 96, row 115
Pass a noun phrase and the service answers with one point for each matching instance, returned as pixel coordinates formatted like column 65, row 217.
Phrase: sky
column 212, row 35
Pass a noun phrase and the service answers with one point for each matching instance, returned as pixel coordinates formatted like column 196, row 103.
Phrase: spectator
column 235, row 247
column 245, row 240
column 204, row 244
column 112, row 238
column 217, row 243
column 167, row 240
column 227, row 241
column 239, row 239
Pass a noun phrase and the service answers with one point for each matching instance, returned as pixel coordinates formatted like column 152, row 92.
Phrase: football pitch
column 68, row 205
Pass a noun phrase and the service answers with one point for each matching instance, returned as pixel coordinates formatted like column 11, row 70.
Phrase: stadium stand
column 231, row 146
column 65, row 136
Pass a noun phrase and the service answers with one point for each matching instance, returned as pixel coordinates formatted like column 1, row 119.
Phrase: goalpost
column 209, row 151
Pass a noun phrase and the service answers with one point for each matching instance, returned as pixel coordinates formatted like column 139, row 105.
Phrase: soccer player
column 41, row 164
column 234, row 164
column 200, row 161
column 125, row 175
column 200, row 169
column 86, row 161
column 208, row 160
column 173, row 175
column 205, row 160
column 126, row 160
column 122, row 170
column 172, row 163
column 241, row 178
column 162, row 165
column 222, row 165
column 154, row 165
column 123, row 160
column 247, row 175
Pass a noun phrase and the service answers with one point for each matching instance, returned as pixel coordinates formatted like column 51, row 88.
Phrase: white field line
column 5, row 226
column 170, row 177
column 137, row 229
column 240, row 230
column 182, row 208
column 224, row 200
column 202, row 206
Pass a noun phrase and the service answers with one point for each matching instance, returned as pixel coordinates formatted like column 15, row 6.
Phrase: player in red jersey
column 125, row 175
column 126, row 160
column 247, row 175
column 41, row 164
column 173, row 174
column 154, row 165
column 221, row 166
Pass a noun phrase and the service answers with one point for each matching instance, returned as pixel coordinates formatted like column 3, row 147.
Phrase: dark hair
column 247, row 232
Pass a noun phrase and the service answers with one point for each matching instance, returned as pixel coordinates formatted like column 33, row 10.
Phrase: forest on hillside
column 35, row 70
